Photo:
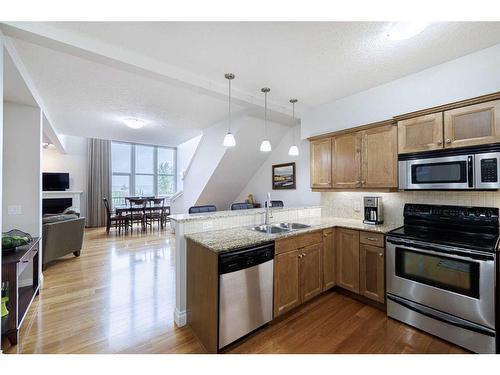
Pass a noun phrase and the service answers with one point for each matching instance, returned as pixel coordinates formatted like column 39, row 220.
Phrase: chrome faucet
column 269, row 213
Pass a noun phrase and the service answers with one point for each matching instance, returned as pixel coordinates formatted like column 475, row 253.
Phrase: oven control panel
column 455, row 214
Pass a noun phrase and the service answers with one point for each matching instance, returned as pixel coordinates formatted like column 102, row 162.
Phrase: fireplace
column 55, row 205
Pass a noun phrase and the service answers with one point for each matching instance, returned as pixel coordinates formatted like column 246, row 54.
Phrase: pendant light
column 294, row 150
column 265, row 146
column 229, row 140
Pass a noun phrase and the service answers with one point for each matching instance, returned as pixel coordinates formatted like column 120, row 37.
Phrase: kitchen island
column 329, row 252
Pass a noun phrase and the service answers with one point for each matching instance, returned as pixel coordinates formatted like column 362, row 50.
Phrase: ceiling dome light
column 229, row 140
column 294, row 150
column 134, row 123
column 265, row 146
column 406, row 30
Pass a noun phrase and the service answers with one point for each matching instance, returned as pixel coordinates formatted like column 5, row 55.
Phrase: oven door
column 451, row 172
column 458, row 282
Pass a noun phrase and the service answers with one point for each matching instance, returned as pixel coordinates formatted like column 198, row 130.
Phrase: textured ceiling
column 315, row 62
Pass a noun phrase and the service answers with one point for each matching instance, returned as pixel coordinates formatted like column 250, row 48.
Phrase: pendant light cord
column 229, row 125
column 265, row 111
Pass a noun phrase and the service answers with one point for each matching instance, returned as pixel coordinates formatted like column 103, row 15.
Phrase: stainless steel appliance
column 245, row 291
column 441, row 273
column 374, row 213
column 471, row 168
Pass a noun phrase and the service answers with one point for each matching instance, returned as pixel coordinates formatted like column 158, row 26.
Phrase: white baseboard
column 180, row 318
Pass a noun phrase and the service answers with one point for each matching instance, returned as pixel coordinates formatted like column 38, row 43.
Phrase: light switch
column 14, row 210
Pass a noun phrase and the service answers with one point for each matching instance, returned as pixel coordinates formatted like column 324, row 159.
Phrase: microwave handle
column 470, row 171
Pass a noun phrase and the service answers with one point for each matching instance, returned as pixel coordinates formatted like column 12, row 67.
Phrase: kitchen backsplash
column 350, row 204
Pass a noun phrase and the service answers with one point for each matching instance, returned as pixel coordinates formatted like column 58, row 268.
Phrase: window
column 140, row 170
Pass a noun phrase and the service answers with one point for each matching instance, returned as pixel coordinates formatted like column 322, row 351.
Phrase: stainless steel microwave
column 460, row 170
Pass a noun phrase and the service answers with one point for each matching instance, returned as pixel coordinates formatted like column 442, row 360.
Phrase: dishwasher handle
column 239, row 260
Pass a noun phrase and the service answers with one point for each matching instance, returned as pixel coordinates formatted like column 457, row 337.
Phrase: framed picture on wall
column 284, row 176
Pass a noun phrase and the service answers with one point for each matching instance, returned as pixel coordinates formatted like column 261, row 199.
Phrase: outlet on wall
column 14, row 210
column 356, row 206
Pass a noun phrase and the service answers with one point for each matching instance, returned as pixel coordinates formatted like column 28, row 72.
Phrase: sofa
column 62, row 234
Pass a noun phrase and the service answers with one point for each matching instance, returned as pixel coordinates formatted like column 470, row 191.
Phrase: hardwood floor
column 119, row 297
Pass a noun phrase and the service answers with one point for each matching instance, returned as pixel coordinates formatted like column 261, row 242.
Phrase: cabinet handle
column 371, row 239
column 363, row 182
column 304, row 254
column 439, row 143
column 448, row 140
column 300, row 256
column 381, row 254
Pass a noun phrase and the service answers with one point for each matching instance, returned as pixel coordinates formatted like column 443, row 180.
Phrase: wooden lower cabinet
column 348, row 259
column 297, row 273
column 371, row 267
column 310, row 272
column 286, row 281
column 329, row 264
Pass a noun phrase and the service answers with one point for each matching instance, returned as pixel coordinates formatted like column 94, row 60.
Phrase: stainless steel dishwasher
column 245, row 291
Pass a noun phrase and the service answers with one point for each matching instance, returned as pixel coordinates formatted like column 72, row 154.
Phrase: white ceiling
column 315, row 62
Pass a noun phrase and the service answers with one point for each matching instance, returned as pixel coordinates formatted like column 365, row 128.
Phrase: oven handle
column 457, row 254
column 470, row 171
column 438, row 315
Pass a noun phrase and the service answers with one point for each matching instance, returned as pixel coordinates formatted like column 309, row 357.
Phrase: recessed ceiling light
column 134, row 123
column 406, row 30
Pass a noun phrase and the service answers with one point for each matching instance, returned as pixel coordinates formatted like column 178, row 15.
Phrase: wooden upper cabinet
column 348, row 259
column 321, row 163
column 286, row 282
column 472, row 125
column 422, row 133
column 379, row 159
column 310, row 272
column 346, row 161
column 371, row 268
column 329, row 264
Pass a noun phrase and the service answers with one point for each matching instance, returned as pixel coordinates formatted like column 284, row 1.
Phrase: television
column 55, row 181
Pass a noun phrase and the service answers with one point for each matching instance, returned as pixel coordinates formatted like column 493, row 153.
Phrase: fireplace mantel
column 75, row 195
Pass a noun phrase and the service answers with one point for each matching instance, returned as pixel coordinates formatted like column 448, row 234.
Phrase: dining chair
column 202, row 209
column 155, row 212
column 275, row 204
column 241, row 206
column 112, row 218
column 137, row 212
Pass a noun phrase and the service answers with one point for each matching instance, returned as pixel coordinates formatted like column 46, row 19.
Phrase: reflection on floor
column 119, row 297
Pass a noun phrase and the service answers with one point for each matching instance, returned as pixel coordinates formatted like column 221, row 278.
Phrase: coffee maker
column 373, row 210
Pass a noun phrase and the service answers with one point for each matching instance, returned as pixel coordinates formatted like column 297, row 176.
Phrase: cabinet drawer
column 296, row 242
column 369, row 238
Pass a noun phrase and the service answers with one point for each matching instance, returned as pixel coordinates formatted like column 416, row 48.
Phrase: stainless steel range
column 441, row 273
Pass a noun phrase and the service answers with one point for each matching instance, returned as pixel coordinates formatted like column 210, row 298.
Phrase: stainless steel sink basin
column 292, row 226
column 279, row 228
column 269, row 229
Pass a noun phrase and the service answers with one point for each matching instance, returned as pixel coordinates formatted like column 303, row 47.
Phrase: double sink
column 278, row 227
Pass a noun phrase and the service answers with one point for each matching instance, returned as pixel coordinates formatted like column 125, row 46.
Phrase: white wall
column 74, row 162
column 261, row 181
column 1, row 142
column 22, row 168
column 466, row 77
column 185, row 153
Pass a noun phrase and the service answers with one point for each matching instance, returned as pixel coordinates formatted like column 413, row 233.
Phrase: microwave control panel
column 489, row 170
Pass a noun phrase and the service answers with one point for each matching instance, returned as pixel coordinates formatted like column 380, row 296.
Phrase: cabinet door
column 321, row 163
column 422, row 133
column 371, row 270
column 346, row 160
column 329, row 263
column 310, row 272
column 473, row 125
column 286, row 282
column 348, row 259
column 379, row 158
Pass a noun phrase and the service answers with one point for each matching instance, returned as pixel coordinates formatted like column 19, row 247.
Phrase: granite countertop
column 229, row 213
column 235, row 238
